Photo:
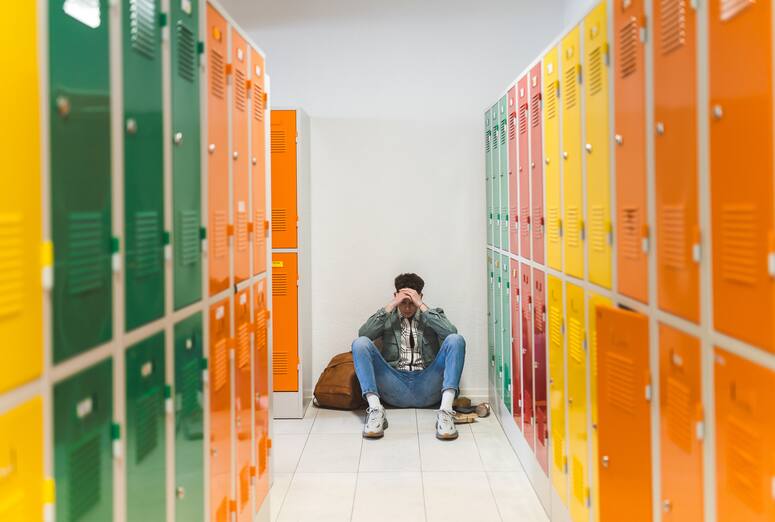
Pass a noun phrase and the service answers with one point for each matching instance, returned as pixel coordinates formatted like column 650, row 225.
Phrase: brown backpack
column 338, row 386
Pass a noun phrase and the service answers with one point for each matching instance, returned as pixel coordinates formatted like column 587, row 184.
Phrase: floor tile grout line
column 487, row 476
column 422, row 473
column 293, row 473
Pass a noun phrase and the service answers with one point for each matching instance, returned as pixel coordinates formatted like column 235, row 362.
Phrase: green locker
column 504, row 171
column 186, row 188
column 189, row 421
column 83, row 459
column 80, row 177
column 496, row 184
column 144, row 233
column 497, row 301
column 490, row 318
column 506, row 329
column 488, row 176
column 145, row 416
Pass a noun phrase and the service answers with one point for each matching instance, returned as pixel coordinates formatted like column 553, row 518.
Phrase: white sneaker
column 376, row 423
column 445, row 425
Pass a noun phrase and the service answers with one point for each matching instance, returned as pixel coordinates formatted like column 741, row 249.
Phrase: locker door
column 488, row 175
column 217, row 152
column 21, row 459
column 243, row 405
column 80, row 165
column 285, row 323
column 528, row 396
column 540, row 369
column 536, row 163
column 630, row 149
column 496, row 177
column 261, row 388
column 596, row 61
column 675, row 114
column 239, row 154
column 625, row 427
column 258, row 159
column 745, row 429
column 83, row 459
column 573, row 210
column 680, row 412
column 498, row 324
column 144, row 235
column 523, row 138
column 189, row 420
column 516, row 347
column 220, row 411
column 504, row 170
column 506, row 328
column 551, row 159
column 577, row 404
column 284, row 189
column 21, row 304
column 743, row 213
column 513, row 222
column 559, row 455
column 491, row 315
column 186, row 161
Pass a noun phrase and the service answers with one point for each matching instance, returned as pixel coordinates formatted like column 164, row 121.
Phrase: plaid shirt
column 410, row 359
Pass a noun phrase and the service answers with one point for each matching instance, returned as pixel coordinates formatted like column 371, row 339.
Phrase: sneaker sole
column 376, row 435
column 446, row 437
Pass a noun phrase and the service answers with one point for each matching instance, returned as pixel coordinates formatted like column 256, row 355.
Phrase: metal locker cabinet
column 83, row 432
column 675, row 114
column 496, row 178
column 189, row 420
column 681, row 425
column 146, row 496
column 239, row 154
column 284, row 190
column 745, row 429
column 491, row 315
column 256, row 72
column 742, row 206
column 504, row 170
column 539, row 369
column 144, row 235
column 513, row 222
column 186, row 159
column 551, row 159
column 523, row 171
column 528, row 396
column 21, row 459
column 506, row 326
column 21, row 303
column 80, row 163
column 285, row 322
column 630, row 148
column 243, row 402
column 488, row 175
column 573, row 204
column 516, row 347
column 498, row 324
column 624, row 428
column 578, row 447
column 217, row 152
column 557, row 426
column 536, row 163
column 220, row 353
column 597, row 150
column 261, row 389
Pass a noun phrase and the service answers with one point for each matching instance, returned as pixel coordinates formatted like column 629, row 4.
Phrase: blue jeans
column 404, row 389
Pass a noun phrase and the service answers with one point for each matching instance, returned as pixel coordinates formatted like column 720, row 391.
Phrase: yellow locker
column 21, row 296
column 573, row 210
column 558, row 458
column 21, row 463
column 593, row 302
column 596, row 149
column 577, row 404
column 551, row 159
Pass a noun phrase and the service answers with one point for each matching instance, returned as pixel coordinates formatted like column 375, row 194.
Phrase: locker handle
column 771, row 255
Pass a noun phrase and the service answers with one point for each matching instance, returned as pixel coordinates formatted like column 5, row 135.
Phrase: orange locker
column 217, row 151
column 284, row 182
column 523, row 170
column 745, row 431
column 261, row 388
column 741, row 170
column 681, row 425
column 220, row 411
column 513, row 181
column 239, row 155
column 578, row 404
column 258, row 159
column 624, row 430
column 630, row 149
column 285, row 322
column 243, row 403
column 675, row 145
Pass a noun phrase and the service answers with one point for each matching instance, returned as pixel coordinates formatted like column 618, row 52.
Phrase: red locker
column 536, row 165
column 528, row 397
column 523, row 168
column 258, row 160
column 516, row 350
column 540, row 369
column 261, row 388
column 220, row 411
column 513, row 193
column 239, row 155
column 243, row 404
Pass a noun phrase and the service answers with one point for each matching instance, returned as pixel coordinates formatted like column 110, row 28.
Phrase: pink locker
column 513, row 198
column 516, row 351
column 528, row 406
column 524, row 170
column 536, row 165
column 540, row 368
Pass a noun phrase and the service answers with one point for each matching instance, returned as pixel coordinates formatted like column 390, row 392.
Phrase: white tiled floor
column 325, row 471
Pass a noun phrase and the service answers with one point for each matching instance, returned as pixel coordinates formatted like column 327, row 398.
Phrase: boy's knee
column 361, row 344
column 456, row 340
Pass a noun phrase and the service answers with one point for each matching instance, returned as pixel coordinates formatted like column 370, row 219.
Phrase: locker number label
column 185, row 6
column 278, row 264
column 85, row 11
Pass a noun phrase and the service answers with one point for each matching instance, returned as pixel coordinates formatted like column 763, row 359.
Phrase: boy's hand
column 414, row 296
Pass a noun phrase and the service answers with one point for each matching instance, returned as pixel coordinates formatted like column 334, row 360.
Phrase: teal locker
column 145, row 433
column 83, row 460
column 144, row 233
column 496, row 185
column 506, row 329
column 488, row 174
column 503, row 171
column 490, row 317
column 497, row 301
column 79, row 83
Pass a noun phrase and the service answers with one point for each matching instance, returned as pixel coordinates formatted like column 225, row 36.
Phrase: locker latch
column 167, row 246
column 645, row 239
column 697, row 247
column 47, row 264
column 169, row 405
column 115, row 257
column 115, row 435
column 583, row 230
column 771, row 255
column 203, row 238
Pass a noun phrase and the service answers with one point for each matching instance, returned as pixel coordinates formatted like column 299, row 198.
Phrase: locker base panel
column 559, row 512
column 288, row 405
column 264, row 513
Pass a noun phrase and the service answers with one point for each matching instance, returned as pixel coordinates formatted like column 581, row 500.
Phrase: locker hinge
column 697, row 247
column 115, row 435
column 163, row 19
column 169, row 405
column 266, row 228
column 229, row 230
column 47, row 264
column 648, row 390
column 644, row 30
column 250, row 229
column 589, row 499
column 562, row 328
column 585, row 342
column 200, row 47
column 645, row 240
column 771, row 255
column 583, row 230
column 607, row 54
column 205, row 372
column 578, row 73
column 49, row 499
column 559, row 226
column 115, row 257
column 165, row 239
column 565, row 465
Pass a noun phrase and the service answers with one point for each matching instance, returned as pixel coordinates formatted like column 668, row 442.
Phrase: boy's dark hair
column 412, row 281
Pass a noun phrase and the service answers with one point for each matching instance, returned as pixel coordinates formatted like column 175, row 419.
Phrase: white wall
column 396, row 93
column 576, row 9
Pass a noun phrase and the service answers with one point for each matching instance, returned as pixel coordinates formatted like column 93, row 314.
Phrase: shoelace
column 447, row 417
column 369, row 418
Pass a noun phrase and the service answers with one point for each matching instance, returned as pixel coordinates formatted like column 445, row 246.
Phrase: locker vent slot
column 242, row 231
column 595, row 71
column 85, row 467
column 523, row 120
column 679, row 414
column 258, row 102
column 536, row 220
column 494, row 136
column 673, row 234
column 487, row 141
column 217, row 74
column 555, row 326
column 260, row 330
column 731, row 8
column 243, row 346
column 575, row 340
column 621, row 382
column 142, row 23
column 221, row 365
column 280, row 363
column 574, row 232
column 512, row 126
column 570, row 87
column 279, row 141
column 578, row 480
column 147, row 243
column 279, row 284
column 628, row 48
column 597, row 229
column 551, row 106
column 240, row 90
column 524, row 223
column 87, row 244
column 188, row 221
column 258, row 230
column 503, row 131
column 147, row 432
column 220, row 238
column 538, row 318
column 553, row 227
column 186, row 46
column 672, row 16
column 188, row 388
column 11, row 264
column 631, row 233
column 738, row 243
column 745, row 458
column 535, row 110
column 279, row 220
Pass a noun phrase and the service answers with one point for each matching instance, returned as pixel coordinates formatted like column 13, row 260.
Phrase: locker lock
column 564, row 154
column 211, row 148
column 588, row 146
column 178, row 138
column 605, row 461
column 63, row 106
column 180, row 492
column 547, row 160
column 667, row 506
column 619, row 139
column 253, row 160
column 718, row 112
column 235, row 154
column 532, row 164
column 131, row 126
column 660, row 128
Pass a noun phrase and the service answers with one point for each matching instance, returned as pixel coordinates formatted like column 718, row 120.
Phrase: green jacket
column 434, row 328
